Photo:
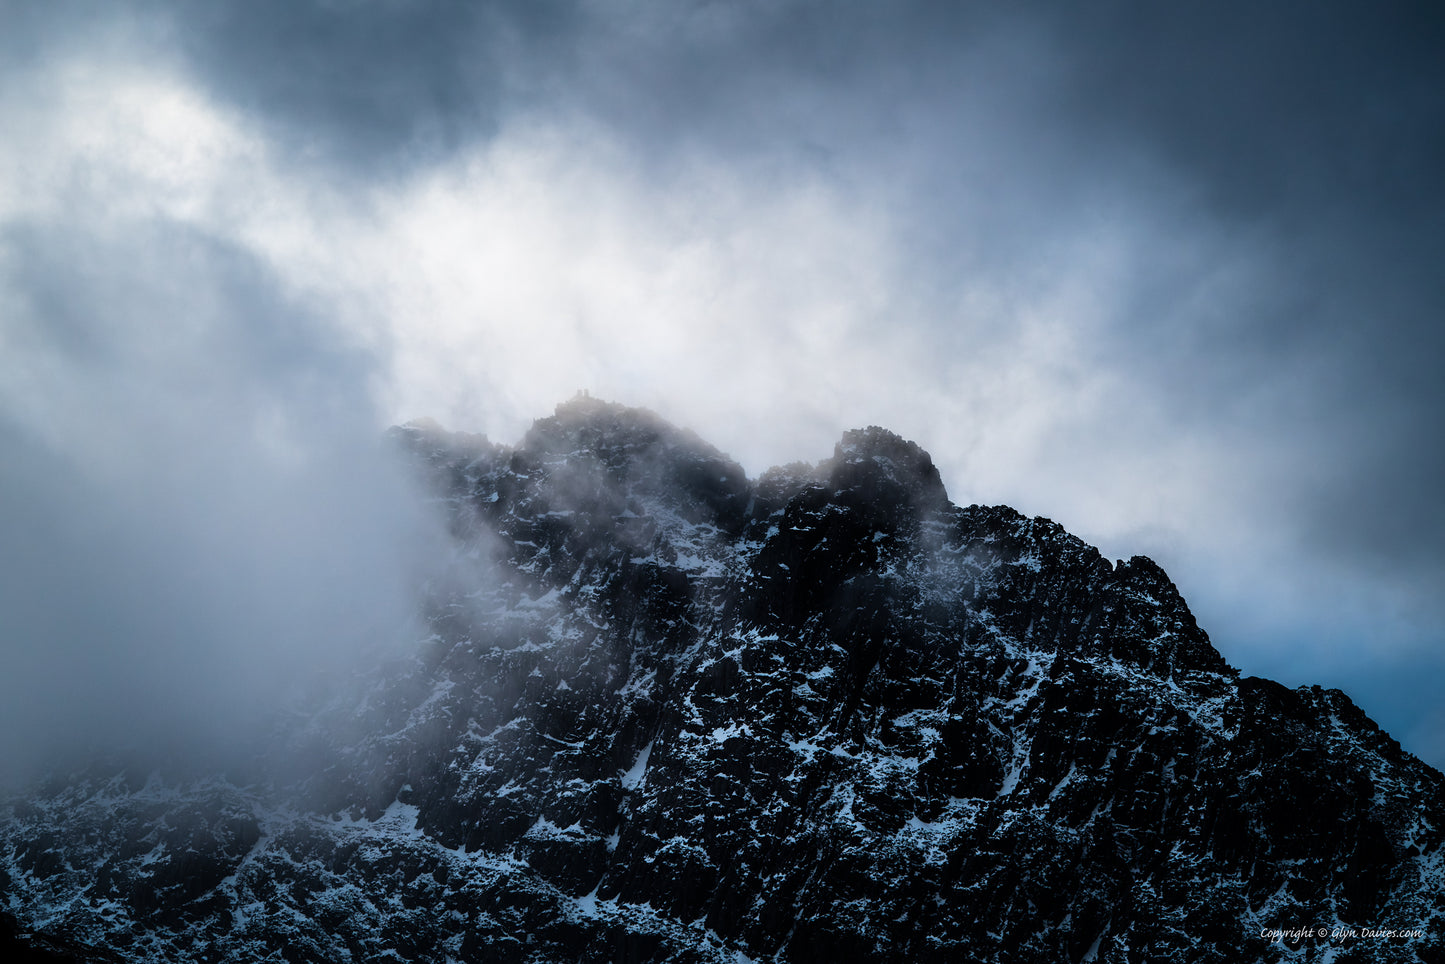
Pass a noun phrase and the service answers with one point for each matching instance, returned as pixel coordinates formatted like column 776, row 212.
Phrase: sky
column 1167, row 274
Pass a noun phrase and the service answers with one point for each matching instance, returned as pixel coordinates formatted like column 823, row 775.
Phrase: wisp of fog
column 203, row 516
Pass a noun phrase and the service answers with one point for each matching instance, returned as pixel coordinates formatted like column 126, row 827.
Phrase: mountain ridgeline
column 668, row 713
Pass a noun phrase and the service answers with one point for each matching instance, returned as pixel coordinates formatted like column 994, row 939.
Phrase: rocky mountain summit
column 668, row 713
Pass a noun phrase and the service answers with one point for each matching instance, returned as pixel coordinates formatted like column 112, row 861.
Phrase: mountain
column 668, row 713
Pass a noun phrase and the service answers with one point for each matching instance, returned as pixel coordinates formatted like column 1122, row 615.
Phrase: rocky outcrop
column 666, row 713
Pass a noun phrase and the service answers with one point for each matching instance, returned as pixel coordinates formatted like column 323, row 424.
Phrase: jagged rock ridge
column 668, row 713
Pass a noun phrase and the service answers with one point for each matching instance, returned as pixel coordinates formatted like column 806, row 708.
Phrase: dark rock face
column 670, row 714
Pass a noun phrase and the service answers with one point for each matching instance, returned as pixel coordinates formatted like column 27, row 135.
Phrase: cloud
column 201, row 513
column 1169, row 277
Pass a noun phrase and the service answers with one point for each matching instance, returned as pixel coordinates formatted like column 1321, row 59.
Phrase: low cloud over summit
column 1169, row 276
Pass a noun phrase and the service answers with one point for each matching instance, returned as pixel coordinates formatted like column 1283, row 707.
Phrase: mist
column 203, row 519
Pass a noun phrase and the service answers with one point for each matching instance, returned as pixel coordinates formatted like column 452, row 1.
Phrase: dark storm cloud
column 1274, row 105
column 362, row 88
column 374, row 87
column 371, row 84
column 1322, row 128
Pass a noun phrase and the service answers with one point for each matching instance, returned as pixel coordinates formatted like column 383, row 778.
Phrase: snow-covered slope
column 668, row 713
